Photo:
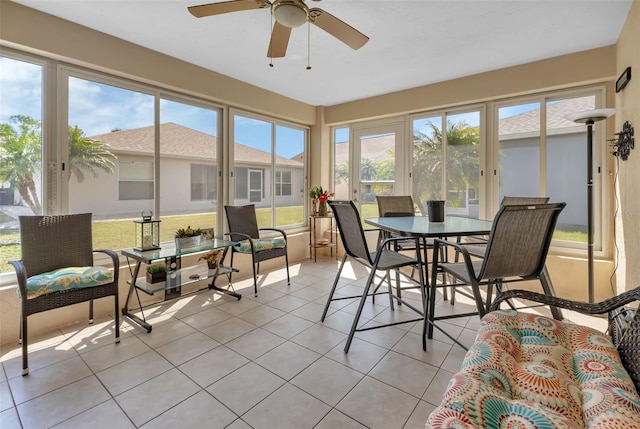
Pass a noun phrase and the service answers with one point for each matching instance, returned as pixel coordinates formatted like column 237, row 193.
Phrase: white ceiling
column 412, row 43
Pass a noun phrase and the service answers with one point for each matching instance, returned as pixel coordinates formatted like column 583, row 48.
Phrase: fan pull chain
column 308, row 45
column 270, row 47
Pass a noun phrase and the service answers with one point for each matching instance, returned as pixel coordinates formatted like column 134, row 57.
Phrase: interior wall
column 628, row 109
column 582, row 68
column 33, row 31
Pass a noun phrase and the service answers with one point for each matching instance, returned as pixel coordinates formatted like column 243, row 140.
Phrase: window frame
column 601, row 181
column 268, row 176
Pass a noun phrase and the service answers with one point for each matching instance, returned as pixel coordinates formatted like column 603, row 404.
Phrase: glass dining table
column 453, row 226
column 419, row 226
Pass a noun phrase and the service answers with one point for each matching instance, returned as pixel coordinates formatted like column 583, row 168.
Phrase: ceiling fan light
column 289, row 14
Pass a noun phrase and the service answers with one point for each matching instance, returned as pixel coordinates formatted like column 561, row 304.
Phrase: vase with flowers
column 320, row 197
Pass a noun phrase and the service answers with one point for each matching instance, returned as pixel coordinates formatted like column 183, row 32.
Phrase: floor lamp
column 589, row 117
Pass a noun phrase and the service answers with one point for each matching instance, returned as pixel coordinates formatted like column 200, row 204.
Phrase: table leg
column 125, row 310
column 213, row 286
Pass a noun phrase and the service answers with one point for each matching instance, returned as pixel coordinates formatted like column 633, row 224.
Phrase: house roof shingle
column 180, row 141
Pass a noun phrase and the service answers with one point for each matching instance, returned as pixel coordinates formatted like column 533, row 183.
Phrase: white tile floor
column 214, row 361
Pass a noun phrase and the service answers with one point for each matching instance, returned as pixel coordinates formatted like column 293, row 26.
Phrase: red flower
column 324, row 197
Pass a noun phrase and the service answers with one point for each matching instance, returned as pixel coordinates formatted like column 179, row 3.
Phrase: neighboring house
column 519, row 159
column 189, row 175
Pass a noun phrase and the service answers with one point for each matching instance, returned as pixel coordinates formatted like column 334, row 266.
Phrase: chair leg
column 475, row 288
column 547, row 287
column 91, row 312
column 356, row 318
column 429, row 317
column 23, row 335
column 390, row 289
column 117, row 318
column 255, row 276
column 398, row 288
column 231, row 266
column 286, row 259
column 333, row 288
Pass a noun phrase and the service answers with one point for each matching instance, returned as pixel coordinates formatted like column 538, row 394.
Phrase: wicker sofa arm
column 581, row 307
column 21, row 276
column 240, row 235
column 115, row 261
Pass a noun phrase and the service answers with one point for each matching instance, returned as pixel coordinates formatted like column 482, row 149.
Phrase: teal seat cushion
column 260, row 244
column 67, row 278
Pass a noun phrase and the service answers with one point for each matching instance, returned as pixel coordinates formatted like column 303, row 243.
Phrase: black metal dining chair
column 384, row 258
column 516, row 251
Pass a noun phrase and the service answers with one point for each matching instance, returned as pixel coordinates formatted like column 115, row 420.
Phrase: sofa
column 525, row 370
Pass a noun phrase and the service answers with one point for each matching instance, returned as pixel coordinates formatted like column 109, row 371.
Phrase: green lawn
column 120, row 234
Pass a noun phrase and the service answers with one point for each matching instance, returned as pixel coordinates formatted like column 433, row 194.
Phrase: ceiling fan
column 287, row 14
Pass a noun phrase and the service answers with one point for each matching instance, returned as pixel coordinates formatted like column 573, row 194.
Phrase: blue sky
column 98, row 109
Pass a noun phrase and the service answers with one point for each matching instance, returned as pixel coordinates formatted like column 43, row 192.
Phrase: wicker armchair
column 243, row 227
column 57, row 269
column 624, row 323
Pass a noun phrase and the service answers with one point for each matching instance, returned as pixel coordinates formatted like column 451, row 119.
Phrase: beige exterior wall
column 627, row 104
column 32, row 31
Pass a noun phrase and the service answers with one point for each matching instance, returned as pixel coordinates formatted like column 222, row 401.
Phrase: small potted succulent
column 156, row 272
column 188, row 237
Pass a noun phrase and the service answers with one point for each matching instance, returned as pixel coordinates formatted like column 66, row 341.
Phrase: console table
column 176, row 275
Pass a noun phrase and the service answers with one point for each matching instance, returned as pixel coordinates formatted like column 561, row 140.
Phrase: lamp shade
column 590, row 115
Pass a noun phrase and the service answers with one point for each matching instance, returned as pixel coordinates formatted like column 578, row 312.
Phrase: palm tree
column 462, row 161
column 21, row 157
column 86, row 154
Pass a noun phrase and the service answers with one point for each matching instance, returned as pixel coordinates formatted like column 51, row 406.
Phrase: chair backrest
column 514, row 201
column 625, row 331
column 629, row 349
column 52, row 242
column 351, row 232
column 242, row 219
column 395, row 205
column 519, row 240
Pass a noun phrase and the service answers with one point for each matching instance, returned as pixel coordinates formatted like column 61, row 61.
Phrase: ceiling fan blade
column 222, row 7
column 279, row 41
column 337, row 28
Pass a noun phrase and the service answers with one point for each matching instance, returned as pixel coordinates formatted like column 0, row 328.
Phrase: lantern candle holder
column 147, row 232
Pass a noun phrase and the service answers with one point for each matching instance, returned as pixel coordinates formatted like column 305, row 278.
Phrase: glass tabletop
column 168, row 250
column 419, row 226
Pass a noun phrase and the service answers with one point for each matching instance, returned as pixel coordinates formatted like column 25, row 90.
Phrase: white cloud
column 20, row 89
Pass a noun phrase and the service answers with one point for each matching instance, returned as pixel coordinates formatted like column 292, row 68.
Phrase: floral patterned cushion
column 530, row 371
column 67, row 278
column 260, row 244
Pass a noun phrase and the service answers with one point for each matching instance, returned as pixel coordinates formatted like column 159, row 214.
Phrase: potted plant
column 188, row 237
column 156, row 272
column 212, row 257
